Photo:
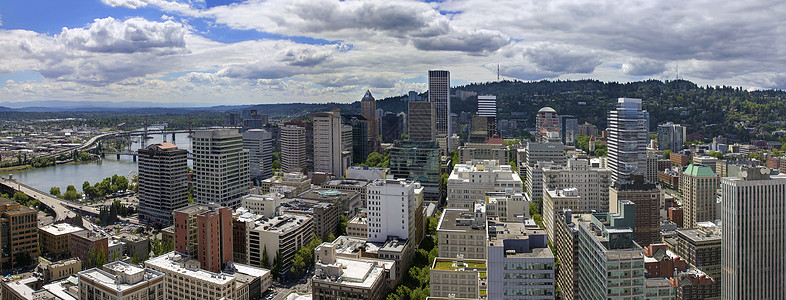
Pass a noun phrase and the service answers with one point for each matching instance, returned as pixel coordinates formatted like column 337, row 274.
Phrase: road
column 61, row 212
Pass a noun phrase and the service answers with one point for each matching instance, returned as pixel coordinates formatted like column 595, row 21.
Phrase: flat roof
column 281, row 224
column 327, row 194
column 251, row 270
column 60, row 229
column 448, row 221
column 355, row 273
column 113, row 282
column 176, row 262
column 698, row 235
column 22, row 288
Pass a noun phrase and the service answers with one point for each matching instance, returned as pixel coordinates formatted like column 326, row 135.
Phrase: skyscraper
column 360, row 141
column 439, row 94
column 546, row 126
column 671, row 136
column 417, row 161
column 259, row 144
column 163, row 185
column 627, row 130
column 293, row 148
column 487, row 107
column 391, row 209
column 698, row 186
column 221, row 167
column 391, row 127
column 568, row 129
column 205, row 232
column 647, row 197
column 368, row 108
column 752, row 260
column 422, row 121
column 332, row 143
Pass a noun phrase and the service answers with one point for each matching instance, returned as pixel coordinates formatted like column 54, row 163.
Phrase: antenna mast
column 497, row 71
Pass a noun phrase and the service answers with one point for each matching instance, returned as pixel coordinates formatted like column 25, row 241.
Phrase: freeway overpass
column 61, row 212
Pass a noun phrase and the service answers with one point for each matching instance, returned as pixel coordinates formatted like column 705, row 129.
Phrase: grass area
column 451, row 266
column 483, row 292
column 16, row 168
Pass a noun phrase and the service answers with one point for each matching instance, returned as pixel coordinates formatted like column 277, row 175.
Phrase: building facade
column 54, row 239
column 260, row 146
column 483, row 151
column 422, row 121
column 469, row 183
column 419, row 162
column 332, row 143
column 647, row 197
column 285, row 233
column 671, row 137
column 163, row 182
column 391, row 209
column 463, row 232
column 293, row 148
column 547, row 126
column 628, row 133
column 439, row 94
column 699, row 188
column 204, row 232
column 592, row 184
column 520, row 264
column 221, row 167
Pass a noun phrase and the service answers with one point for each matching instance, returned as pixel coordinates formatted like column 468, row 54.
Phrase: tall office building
column 752, row 260
column 487, row 107
column 360, row 140
column 592, row 184
column 19, row 236
column 205, row 232
column 163, row 182
column 671, row 136
column 698, row 186
column 293, row 148
column 368, row 108
column 391, row 209
column 611, row 264
column 628, row 127
column 221, row 167
column 417, row 161
column 259, row 144
column 587, row 129
column 568, row 129
column 546, row 125
column 533, row 159
column 647, row 196
column 422, row 121
column 468, row 183
column 439, row 94
column 392, row 127
column 332, row 143
column 514, row 244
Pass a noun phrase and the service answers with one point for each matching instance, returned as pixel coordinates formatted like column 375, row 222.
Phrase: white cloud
column 129, row 36
column 132, row 4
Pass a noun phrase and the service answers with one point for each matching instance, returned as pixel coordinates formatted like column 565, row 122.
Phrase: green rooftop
column 453, row 266
column 699, row 170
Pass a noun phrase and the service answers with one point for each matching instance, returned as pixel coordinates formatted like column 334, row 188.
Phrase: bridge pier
column 134, row 156
column 173, row 136
column 118, row 156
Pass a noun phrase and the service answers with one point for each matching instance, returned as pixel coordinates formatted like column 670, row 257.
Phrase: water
column 75, row 174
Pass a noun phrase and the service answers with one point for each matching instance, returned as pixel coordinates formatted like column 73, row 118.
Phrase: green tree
column 55, row 191
column 96, row 258
column 265, row 259
column 667, row 154
column 71, row 195
column 341, row 228
column 77, row 221
column 135, row 259
column 21, row 198
column 276, row 270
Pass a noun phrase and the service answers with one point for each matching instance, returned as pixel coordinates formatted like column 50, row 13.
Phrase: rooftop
column 460, row 220
column 281, row 224
column 452, row 264
column 698, row 235
column 325, row 194
column 699, row 170
column 120, row 276
column 179, row 263
column 22, row 287
column 347, row 182
column 60, row 229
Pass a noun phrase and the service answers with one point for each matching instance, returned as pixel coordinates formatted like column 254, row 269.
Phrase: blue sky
column 269, row 51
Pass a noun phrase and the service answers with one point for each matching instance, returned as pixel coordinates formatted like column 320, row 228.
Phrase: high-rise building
column 221, row 167
column 204, row 232
column 259, row 144
column 293, row 148
column 360, row 140
column 479, row 131
column 163, row 182
column 546, row 125
column 533, row 159
column 611, row 264
column 566, row 244
column 514, row 244
column 592, row 184
column 391, row 209
column 628, row 127
column 463, row 232
column 417, row 161
column 568, row 129
column 282, row 235
column 647, row 196
column 555, row 201
column 671, row 137
column 699, row 186
column 587, row 129
column 19, row 234
column 752, row 261
column 392, row 127
column 468, row 183
column 368, row 109
column 422, row 121
column 332, row 143
column 487, row 107
column 439, row 94
column 480, row 151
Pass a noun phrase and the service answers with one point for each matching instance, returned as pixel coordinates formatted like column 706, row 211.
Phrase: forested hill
column 709, row 111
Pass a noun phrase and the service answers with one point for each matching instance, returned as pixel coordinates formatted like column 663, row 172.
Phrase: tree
column 135, row 259
column 96, row 258
column 276, row 270
column 667, row 154
column 71, row 195
column 55, row 191
column 21, row 198
column 77, row 221
column 341, row 229
column 265, row 259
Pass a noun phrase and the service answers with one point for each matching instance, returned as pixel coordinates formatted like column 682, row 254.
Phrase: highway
column 61, row 212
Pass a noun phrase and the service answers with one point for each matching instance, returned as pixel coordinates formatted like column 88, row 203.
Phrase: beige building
column 332, row 143
column 286, row 233
column 338, row 277
column 358, row 226
column 699, row 189
column 555, row 201
column 264, row 205
column 19, row 234
column 53, row 271
column 121, row 281
column 483, row 151
column 457, row 277
column 221, row 167
column 293, row 148
column 349, row 185
column 592, row 184
column 463, row 231
column 508, row 206
column 54, row 239
column 469, row 183
column 298, row 181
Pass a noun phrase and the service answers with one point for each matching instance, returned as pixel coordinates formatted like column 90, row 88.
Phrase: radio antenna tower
column 497, row 71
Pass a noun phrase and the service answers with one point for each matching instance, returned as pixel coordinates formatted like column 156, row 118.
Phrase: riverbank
column 57, row 163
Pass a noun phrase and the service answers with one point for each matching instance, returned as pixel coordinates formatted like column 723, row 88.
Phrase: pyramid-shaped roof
column 368, row 96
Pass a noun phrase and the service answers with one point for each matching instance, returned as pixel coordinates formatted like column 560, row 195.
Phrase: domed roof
column 547, row 109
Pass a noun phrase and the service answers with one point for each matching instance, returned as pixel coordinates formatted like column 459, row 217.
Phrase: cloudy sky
column 273, row 51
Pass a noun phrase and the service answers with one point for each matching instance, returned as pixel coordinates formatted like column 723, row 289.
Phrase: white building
column 221, row 167
column 293, row 148
column 391, row 209
column 508, row 206
column 332, row 143
column 264, row 205
column 259, row 143
column 342, row 277
column 468, row 183
column 628, row 133
column 752, row 260
column 120, row 281
column 286, row 233
column 534, row 156
column 592, row 184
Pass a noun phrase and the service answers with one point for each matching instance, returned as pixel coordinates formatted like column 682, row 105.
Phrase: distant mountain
column 109, row 106
column 5, row 109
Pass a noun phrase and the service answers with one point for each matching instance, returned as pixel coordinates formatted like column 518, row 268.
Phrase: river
column 77, row 173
